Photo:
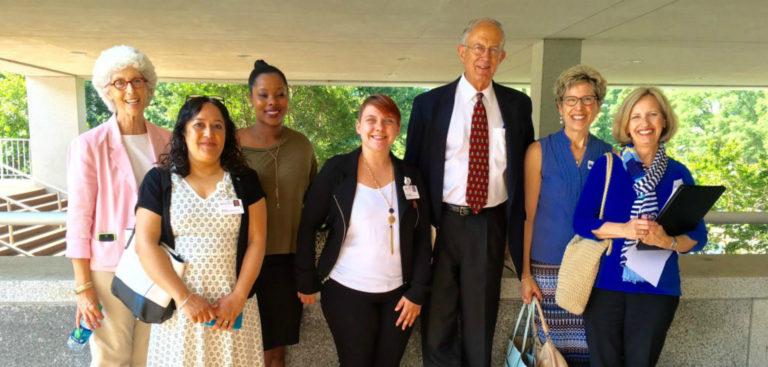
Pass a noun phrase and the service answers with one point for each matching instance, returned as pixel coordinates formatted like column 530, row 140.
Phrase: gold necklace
column 277, row 168
column 391, row 217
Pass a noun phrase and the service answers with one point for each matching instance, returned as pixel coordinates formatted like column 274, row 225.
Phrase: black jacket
column 155, row 195
column 425, row 149
column 329, row 201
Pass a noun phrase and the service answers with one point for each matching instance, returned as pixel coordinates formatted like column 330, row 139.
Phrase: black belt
column 465, row 210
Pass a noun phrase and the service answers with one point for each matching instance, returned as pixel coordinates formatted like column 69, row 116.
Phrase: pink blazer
column 103, row 192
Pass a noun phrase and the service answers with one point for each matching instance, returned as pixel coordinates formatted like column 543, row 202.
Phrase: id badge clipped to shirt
column 231, row 207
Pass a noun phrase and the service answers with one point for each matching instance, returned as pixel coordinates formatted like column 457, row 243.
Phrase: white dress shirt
column 457, row 147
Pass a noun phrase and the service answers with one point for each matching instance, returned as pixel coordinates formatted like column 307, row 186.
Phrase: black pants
column 363, row 325
column 626, row 329
column 459, row 320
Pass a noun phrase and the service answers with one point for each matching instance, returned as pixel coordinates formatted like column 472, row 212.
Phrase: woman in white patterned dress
column 208, row 205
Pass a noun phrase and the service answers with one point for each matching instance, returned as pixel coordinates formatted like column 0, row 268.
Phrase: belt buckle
column 465, row 211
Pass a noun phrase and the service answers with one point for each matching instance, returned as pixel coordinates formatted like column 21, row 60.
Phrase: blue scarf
column 646, row 204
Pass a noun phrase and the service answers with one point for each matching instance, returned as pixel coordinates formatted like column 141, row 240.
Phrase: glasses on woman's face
column 218, row 98
column 586, row 100
column 121, row 84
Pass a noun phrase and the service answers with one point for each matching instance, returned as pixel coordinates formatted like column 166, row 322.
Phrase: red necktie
column 477, row 179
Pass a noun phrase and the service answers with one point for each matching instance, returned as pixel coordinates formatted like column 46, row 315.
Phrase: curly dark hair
column 177, row 160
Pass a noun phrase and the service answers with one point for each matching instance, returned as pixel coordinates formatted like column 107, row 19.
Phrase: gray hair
column 579, row 74
column 118, row 58
column 475, row 22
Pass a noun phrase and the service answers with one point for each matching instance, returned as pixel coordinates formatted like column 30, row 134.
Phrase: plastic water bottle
column 78, row 338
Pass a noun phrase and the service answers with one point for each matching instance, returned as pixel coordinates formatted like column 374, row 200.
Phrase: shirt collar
column 467, row 92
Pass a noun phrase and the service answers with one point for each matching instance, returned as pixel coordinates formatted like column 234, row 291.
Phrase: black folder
column 683, row 211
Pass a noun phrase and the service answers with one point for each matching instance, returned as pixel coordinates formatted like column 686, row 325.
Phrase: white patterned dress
column 207, row 240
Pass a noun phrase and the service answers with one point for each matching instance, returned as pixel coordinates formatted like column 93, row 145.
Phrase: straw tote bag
column 581, row 262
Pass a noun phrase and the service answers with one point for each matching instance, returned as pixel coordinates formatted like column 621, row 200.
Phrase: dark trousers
column 459, row 320
column 363, row 325
column 626, row 329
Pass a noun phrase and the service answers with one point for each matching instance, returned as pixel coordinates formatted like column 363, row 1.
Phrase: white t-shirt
column 366, row 262
column 140, row 155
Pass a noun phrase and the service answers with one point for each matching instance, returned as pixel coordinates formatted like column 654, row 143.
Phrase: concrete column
column 56, row 107
column 550, row 58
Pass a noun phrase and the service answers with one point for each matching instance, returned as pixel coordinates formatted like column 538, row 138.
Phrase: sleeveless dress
column 207, row 240
column 561, row 183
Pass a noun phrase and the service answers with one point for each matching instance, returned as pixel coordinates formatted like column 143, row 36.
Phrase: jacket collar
column 118, row 156
column 345, row 192
column 119, row 160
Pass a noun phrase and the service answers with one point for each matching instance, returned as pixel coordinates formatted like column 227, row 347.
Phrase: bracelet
column 673, row 246
column 83, row 287
column 184, row 302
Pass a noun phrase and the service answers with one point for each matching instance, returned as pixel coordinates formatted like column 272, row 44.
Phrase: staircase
column 38, row 240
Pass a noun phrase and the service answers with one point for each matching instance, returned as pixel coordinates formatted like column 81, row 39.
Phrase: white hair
column 118, row 58
column 475, row 22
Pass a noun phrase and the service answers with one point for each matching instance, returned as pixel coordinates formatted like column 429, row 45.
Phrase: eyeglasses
column 218, row 98
column 479, row 50
column 121, row 84
column 586, row 100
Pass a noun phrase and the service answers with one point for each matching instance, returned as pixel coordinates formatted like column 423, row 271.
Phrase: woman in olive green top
column 285, row 162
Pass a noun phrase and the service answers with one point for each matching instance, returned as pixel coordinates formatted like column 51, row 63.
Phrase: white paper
column 649, row 264
column 675, row 186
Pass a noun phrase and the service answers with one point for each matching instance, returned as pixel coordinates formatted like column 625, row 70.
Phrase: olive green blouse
column 285, row 170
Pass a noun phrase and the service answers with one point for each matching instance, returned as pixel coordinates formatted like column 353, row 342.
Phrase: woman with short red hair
column 374, row 270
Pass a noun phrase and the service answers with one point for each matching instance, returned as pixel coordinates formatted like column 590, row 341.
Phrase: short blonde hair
column 579, row 74
column 621, row 119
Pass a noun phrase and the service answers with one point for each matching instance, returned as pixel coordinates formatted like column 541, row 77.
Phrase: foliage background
column 723, row 135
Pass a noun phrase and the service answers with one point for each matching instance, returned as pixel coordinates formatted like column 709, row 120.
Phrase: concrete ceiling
column 669, row 42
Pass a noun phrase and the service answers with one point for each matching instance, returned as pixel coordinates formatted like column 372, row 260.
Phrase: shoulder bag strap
column 608, row 169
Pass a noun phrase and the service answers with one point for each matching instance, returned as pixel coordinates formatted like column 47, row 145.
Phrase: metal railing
column 14, row 158
column 24, row 212
column 19, row 174
column 60, row 218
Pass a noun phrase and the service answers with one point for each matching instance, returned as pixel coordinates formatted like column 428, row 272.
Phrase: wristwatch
column 673, row 246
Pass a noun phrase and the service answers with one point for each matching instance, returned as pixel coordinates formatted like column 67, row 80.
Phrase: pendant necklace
column 391, row 217
column 274, row 156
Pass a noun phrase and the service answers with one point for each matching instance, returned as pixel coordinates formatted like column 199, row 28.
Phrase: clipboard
column 683, row 211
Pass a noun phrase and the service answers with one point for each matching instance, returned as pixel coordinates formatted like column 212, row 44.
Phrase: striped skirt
column 565, row 329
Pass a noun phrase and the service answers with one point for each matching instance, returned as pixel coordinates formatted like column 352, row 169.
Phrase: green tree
column 13, row 106
column 95, row 109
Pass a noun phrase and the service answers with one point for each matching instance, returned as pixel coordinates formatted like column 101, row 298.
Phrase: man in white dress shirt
column 468, row 139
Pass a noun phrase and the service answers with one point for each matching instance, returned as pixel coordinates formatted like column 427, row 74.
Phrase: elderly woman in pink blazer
column 105, row 167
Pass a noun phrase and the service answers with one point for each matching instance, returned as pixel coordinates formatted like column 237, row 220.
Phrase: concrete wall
column 722, row 319
column 56, row 106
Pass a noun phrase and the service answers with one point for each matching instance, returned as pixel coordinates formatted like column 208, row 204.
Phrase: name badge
column 231, row 207
column 411, row 192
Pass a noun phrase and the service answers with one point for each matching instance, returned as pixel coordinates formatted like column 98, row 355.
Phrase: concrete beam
column 549, row 58
column 56, row 107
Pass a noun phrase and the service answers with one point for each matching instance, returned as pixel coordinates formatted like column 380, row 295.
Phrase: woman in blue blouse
column 630, row 309
column 556, row 168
